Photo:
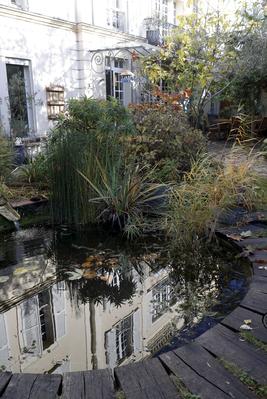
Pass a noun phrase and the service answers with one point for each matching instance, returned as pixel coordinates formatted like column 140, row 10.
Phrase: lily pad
column 4, row 279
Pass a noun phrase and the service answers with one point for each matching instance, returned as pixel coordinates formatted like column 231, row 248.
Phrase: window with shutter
column 4, row 349
column 30, row 327
column 58, row 293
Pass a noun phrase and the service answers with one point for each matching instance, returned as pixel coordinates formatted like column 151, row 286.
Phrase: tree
column 203, row 54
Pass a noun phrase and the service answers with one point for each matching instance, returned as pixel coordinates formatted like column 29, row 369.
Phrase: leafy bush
column 165, row 139
column 6, row 156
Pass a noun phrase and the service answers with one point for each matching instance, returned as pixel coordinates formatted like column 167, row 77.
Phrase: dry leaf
column 245, row 327
column 246, row 234
column 235, row 237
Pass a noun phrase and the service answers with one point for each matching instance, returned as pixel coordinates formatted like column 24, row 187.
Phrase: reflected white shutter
column 137, row 333
column 62, row 368
column 30, row 323
column 111, row 348
column 4, row 350
column 58, row 295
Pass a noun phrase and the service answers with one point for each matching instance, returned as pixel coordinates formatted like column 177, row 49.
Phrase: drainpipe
column 79, row 52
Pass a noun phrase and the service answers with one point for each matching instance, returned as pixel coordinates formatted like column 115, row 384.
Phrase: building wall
column 55, row 40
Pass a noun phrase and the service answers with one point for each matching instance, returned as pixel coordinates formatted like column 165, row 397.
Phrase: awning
column 141, row 48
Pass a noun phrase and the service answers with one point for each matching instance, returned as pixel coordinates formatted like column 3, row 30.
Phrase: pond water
column 81, row 301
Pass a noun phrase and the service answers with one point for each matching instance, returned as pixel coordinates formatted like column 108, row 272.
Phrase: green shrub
column 165, row 139
column 34, row 171
column 6, row 157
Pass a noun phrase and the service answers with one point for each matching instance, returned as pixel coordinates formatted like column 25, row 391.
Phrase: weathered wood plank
column 4, row 379
column 259, row 270
column 255, row 300
column 224, row 343
column 20, row 386
column 99, row 384
column 194, row 382
column 237, row 317
column 255, row 243
column 146, row 380
column 73, row 386
column 205, row 365
column 46, row 386
column 259, row 284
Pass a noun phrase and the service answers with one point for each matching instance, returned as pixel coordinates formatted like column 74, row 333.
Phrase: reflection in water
column 86, row 301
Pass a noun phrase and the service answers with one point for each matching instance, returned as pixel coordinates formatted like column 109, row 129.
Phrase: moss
column 183, row 391
column 261, row 201
column 254, row 341
column 258, row 389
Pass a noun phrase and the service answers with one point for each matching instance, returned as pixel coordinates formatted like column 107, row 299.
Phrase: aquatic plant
column 125, row 195
column 91, row 129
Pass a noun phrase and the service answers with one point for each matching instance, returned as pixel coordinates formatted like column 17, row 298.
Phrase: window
column 161, row 13
column 174, row 13
column 115, row 16
column 23, row 4
column 42, row 320
column 46, row 319
column 124, row 338
column 161, row 299
column 55, row 101
column 114, row 85
column 20, row 98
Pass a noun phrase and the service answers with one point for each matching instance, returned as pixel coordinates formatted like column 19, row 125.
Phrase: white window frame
column 29, row 91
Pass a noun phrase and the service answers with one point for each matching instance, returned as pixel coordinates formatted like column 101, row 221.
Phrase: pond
column 81, row 301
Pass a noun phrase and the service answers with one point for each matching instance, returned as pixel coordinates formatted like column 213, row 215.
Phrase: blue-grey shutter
column 30, row 327
column 58, row 295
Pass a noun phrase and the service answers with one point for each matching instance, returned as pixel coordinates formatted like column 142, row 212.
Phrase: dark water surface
column 80, row 301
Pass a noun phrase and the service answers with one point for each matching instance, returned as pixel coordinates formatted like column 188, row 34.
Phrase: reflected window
column 42, row 320
column 46, row 319
column 161, row 299
column 124, row 338
column 4, row 349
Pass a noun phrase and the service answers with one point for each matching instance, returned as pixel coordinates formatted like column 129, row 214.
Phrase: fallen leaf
column 246, row 234
column 245, row 327
column 261, row 261
column 4, row 279
column 75, row 275
column 248, row 321
column 20, row 270
column 235, row 237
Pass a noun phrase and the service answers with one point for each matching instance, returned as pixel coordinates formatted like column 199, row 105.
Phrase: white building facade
column 48, row 54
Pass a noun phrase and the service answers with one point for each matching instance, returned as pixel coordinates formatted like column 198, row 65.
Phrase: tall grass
column 91, row 130
column 206, row 192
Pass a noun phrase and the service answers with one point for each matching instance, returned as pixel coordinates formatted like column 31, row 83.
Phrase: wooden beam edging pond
column 196, row 365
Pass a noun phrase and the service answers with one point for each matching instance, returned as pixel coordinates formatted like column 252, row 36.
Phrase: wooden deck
column 196, row 365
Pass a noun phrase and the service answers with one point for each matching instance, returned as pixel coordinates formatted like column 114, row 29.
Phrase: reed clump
column 208, row 190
